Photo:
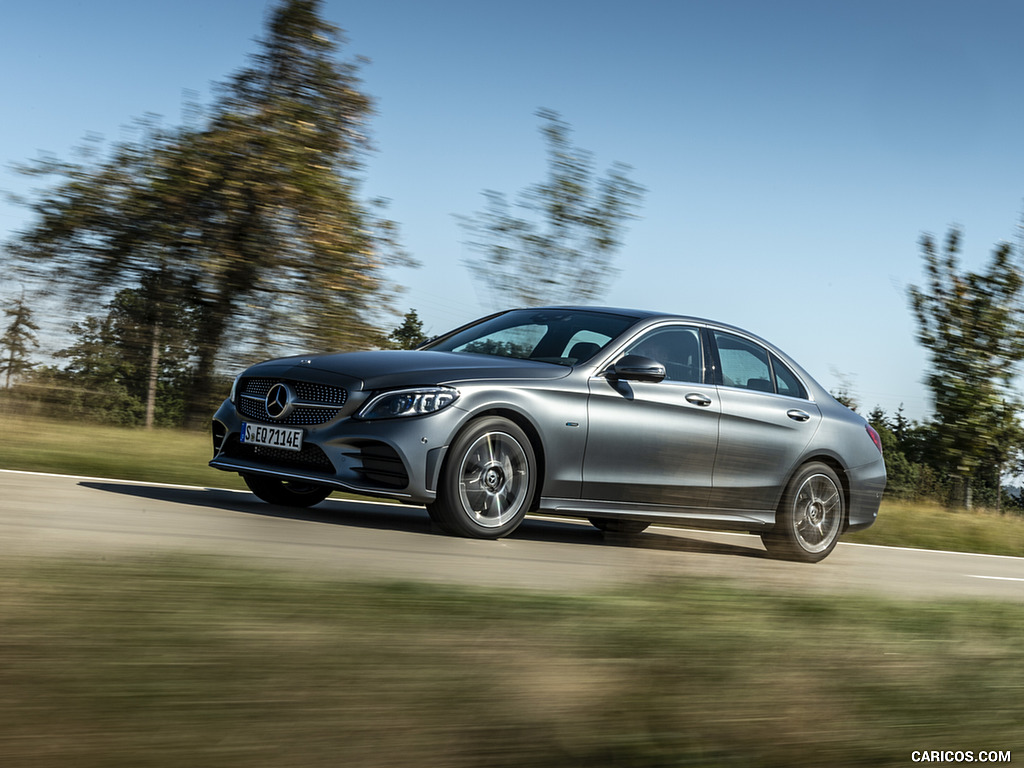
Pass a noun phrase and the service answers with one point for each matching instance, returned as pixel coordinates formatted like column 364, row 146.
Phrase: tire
column 287, row 493
column 615, row 525
column 810, row 516
column 488, row 481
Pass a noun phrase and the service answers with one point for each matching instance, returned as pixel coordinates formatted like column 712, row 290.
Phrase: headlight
column 234, row 387
column 408, row 402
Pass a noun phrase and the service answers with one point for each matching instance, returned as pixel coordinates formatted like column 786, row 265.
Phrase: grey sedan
column 625, row 418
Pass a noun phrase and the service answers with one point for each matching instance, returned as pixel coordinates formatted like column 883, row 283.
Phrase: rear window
column 747, row 365
column 786, row 382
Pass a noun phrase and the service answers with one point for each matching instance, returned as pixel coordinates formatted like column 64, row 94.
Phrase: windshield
column 561, row 336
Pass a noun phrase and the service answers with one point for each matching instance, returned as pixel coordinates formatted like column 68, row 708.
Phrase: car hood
column 384, row 369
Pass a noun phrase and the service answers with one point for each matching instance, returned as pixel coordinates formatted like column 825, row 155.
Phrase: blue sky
column 793, row 152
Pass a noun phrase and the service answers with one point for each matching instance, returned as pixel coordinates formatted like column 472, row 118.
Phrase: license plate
column 271, row 437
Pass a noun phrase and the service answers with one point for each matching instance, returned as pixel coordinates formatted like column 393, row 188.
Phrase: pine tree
column 409, row 334
column 18, row 339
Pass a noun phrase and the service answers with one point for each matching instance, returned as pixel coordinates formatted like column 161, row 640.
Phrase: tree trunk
column 154, row 371
column 213, row 320
column 968, row 493
column 999, row 489
column 961, row 494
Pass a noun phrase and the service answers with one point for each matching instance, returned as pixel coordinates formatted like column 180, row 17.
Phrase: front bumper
column 395, row 458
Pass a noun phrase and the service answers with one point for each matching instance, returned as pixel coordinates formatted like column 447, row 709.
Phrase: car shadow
column 414, row 519
column 331, row 512
column 679, row 541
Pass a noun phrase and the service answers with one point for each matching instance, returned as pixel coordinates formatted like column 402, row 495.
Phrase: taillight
column 874, row 437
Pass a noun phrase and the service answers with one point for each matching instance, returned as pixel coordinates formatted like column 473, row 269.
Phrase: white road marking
column 918, row 549
column 993, row 578
column 552, row 517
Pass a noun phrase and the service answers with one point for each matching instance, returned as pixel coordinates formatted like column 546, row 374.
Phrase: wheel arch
column 532, row 433
column 836, row 466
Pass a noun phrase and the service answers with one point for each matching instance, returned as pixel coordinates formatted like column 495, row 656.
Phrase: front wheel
column 488, row 481
column 287, row 493
column 810, row 516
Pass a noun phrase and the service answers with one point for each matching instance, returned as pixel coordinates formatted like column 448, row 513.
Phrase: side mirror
column 637, row 368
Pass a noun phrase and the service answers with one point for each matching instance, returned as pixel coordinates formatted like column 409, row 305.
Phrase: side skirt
column 751, row 520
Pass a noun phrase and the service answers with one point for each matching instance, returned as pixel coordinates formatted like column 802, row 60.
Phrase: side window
column 786, row 382
column 584, row 345
column 744, row 364
column 677, row 348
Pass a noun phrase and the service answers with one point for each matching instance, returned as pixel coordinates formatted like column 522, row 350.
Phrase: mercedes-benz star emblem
column 279, row 401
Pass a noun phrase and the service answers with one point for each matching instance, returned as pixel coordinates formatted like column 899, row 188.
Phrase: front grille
column 310, row 458
column 314, row 403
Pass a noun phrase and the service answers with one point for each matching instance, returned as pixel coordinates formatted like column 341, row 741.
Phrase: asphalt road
column 47, row 515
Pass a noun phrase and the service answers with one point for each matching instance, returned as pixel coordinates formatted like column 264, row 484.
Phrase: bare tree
column 562, row 249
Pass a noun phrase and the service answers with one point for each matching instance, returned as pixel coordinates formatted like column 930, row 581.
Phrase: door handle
column 695, row 398
column 798, row 415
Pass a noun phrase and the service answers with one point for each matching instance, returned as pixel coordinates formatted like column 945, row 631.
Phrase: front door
column 654, row 443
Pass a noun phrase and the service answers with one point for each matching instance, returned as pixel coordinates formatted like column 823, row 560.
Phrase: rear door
column 766, row 424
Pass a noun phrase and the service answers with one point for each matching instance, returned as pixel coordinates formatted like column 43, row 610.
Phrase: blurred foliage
column 562, row 251
column 18, row 340
column 845, row 397
column 129, row 366
column 251, row 219
column 918, row 470
column 191, row 661
column 971, row 323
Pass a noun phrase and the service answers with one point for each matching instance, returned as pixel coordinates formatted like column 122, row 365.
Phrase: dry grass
column 931, row 526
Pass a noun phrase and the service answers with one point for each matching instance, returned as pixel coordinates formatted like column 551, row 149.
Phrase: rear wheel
column 810, row 516
column 488, row 481
column 287, row 493
column 615, row 525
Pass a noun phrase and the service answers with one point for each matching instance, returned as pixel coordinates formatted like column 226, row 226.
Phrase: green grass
column 179, row 456
column 96, row 450
column 150, row 662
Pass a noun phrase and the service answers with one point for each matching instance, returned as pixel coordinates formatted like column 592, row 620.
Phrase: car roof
column 647, row 314
column 637, row 314
column 644, row 314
